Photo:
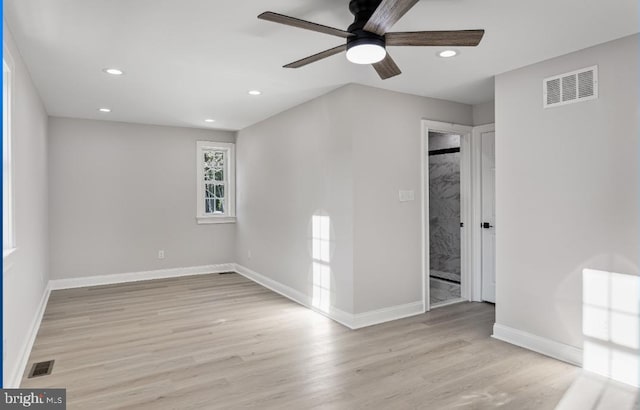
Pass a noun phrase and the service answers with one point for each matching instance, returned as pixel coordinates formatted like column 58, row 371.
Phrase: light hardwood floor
column 223, row 342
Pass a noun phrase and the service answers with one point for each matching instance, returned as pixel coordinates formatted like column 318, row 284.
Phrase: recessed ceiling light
column 448, row 53
column 104, row 109
column 255, row 92
column 209, row 120
column 113, row 71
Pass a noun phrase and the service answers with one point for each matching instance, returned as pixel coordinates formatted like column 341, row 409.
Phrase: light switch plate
column 406, row 196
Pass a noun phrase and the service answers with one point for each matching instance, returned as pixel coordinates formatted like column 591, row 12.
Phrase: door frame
column 465, row 132
column 476, row 183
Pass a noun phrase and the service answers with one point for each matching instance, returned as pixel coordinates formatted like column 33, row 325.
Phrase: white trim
column 229, row 180
column 547, row 347
column 15, row 376
column 424, row 214
column 8, row 258
column 448, row 302
column 352, row 321
column 9, row 186
column 388, row 314
column 7, row 252
column 203, row 220
column 476, row 210
column 338, row 315
column 112, row 279
column 465, row 132
column 466, row 203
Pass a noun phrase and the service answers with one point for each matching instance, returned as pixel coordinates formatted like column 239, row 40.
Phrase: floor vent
column 576, row 86
column 225, row 273
column 41, row 369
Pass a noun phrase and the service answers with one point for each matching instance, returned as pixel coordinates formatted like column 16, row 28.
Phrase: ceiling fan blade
column 459, row 38
column 387, row 14
column 317, row 57
column 387, row 68
column 307, row 25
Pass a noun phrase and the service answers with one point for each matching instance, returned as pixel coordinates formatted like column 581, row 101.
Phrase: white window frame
column 9, row 245
column 230, row 175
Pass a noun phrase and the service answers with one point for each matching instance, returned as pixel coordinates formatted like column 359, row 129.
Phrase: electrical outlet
column 249, row 254
column 160, row 254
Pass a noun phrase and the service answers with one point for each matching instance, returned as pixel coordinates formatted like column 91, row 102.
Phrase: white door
column 488, row 164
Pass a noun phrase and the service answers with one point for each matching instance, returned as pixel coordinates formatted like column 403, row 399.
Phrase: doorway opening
column 445, row 253
column 458, row 213
column 446, row 211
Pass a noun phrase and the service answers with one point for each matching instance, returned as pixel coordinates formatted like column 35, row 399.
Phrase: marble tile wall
column 444, row 208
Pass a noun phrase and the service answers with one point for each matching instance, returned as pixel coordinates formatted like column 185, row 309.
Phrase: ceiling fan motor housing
column 362, row 10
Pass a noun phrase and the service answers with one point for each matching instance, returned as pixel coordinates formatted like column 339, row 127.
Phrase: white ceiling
column 187, row 60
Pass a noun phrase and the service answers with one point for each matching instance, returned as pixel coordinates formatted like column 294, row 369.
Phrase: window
column 216, row 182
column 8, row 238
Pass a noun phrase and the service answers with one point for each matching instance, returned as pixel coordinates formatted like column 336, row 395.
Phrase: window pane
column 209, row 206
column 208, row 174
column 219, row 191
column 219, row 206
column 219, row 174
column 218, row 158
column 209, row 191
column 208, row 158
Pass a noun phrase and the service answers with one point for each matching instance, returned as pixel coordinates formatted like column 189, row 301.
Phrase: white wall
column 348, row 153
column 120, row 192
column 484, row 113
column 386, row 159
column 26, row 270
column 567, row 187
column 291, row 167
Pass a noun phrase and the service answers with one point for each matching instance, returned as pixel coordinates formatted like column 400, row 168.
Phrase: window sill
column 6, row 253
column 204, row 220
column 8, row 256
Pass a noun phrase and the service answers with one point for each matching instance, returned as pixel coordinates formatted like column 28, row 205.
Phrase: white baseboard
column 375, row 317
column 547, row 347
column 448, row 303
column 350, row 320
column 71, row 283
column 338, row 315
column 15, row 376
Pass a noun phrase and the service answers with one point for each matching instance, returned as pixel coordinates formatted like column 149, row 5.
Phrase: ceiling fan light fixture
column 366, row 50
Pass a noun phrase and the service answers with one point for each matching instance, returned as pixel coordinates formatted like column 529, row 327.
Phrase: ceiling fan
column 367, row 37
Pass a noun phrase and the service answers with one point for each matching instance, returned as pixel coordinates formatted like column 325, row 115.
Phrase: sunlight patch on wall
column 321, row 255
column 610, row 324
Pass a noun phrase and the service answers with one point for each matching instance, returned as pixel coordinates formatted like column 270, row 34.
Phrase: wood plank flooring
column 224, row 342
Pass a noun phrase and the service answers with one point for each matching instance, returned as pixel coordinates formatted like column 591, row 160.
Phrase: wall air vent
column 568, row 88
